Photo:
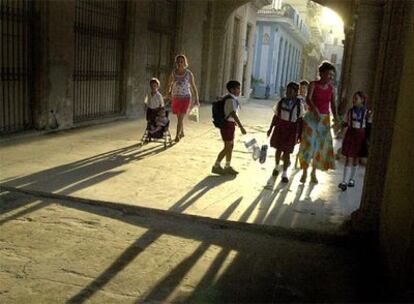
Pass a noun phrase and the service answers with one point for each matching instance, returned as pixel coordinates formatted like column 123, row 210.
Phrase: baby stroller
column 162, row 134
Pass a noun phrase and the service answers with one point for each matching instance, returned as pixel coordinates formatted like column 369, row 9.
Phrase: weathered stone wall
column 54, row 64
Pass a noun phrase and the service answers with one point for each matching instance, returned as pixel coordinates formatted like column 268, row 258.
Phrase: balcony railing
column 289, row 13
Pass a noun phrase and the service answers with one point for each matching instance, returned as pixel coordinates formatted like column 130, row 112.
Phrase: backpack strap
column 296, row 104
column 279, row 107
column 228, row 96
column 298, row 108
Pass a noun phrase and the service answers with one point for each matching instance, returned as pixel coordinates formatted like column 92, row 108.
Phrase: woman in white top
column 182, row 91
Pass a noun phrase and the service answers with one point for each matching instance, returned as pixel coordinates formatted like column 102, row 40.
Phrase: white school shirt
column 355, row 121
column 154, row 101
column 231, row 105
column 285, row 114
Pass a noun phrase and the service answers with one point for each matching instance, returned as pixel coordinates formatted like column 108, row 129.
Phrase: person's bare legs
column 313, row 175
column 304, row 175
column 227, row 153
column 277, row 161
column 355, row 162
column 286, row 164
column 180, row 126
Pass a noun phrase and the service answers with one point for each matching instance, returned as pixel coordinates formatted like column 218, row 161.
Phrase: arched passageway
column 378, row 47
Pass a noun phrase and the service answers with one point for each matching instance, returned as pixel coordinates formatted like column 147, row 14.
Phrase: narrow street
column 105, row 163
column 61, row 251
column 87, row 227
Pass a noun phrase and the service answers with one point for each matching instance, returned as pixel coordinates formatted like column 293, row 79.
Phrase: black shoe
column 217, row 170
column 275, row 172
column 230, row 171
column 342, row 186
column 285, row 179
column 351, row 183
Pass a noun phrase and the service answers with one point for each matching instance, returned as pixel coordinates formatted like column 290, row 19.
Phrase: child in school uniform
column 286, row 126
column 354, row 140
column 303, row 92
column 231, row 109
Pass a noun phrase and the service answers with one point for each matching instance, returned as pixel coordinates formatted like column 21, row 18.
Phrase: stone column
column 389, row 185
column 368, row 19
column 60, row 64
column 135, row 82
column 387, row 64
column 250, row 58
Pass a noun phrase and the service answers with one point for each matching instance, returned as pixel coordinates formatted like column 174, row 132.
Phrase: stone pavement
column 63, row 251
column 86, row 215
column 105, row 162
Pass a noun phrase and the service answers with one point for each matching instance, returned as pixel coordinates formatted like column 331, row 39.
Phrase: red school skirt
column 284, row 136
column 353, row 143
column 180, row 105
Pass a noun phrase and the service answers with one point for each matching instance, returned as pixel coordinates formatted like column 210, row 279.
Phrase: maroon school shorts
column 227, row 133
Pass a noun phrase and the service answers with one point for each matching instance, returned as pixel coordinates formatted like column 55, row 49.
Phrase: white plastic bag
column 194, row 114
column 249, row 142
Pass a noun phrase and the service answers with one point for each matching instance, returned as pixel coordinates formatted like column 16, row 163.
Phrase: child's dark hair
column 363, row 96
column 232, row 84
column 293, row 85
column 304, row 82
column 326, row 66
column 153, row 79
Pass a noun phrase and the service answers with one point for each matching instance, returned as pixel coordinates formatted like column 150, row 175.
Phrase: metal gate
column 16, row 65
column 161, row 31
column 99, row 39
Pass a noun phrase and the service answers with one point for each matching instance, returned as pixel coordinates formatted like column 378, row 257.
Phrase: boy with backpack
column 225, row 118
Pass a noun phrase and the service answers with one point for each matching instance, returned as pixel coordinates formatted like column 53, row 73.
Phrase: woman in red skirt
column 286, row 126
column 183, row 92
column 353, row 143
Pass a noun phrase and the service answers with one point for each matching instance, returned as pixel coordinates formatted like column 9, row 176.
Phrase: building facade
column 281, row 36
column 96, row 64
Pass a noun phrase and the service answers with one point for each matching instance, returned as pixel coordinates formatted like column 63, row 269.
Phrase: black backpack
column 219, row 118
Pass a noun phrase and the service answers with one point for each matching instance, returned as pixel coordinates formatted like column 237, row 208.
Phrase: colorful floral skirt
column 316, row 143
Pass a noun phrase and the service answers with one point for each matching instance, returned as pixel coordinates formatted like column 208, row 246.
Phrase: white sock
column 284, row 174
column 217, row 164
column 345, row 174
column 353, row 171
column 227, row 164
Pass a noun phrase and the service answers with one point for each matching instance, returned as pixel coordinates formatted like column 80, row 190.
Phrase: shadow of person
column 75, row 176
column 168, row 284
column 271, row 218
column 263, row 202
column 200, row 189
column 151, row 236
